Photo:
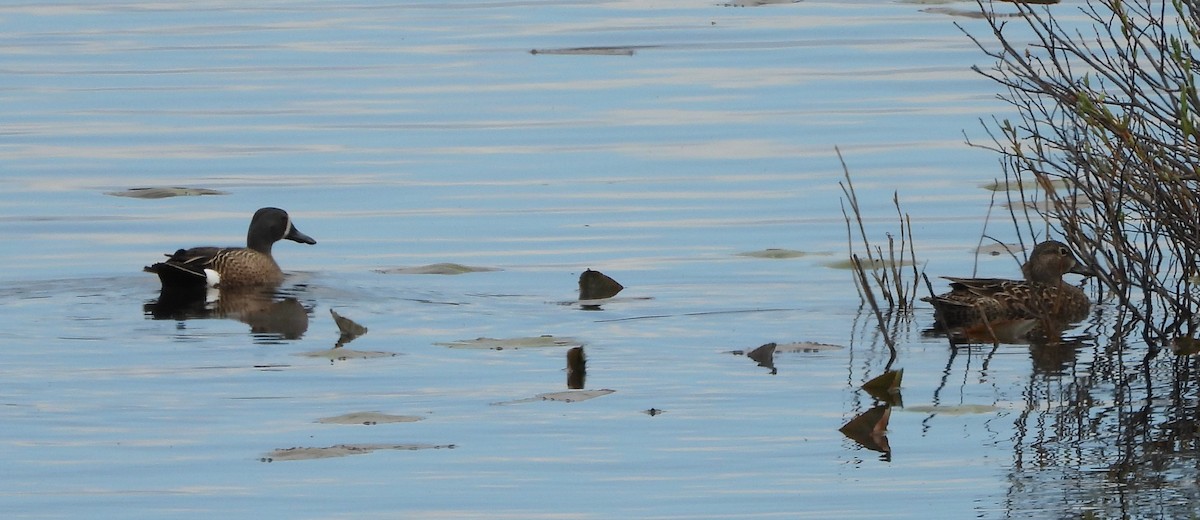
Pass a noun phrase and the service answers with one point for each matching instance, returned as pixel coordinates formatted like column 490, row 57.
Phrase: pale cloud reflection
column 727, row 149
column 174, row 151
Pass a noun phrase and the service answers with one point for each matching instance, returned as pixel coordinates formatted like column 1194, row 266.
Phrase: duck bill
column 296, row 236
column 1082, row 270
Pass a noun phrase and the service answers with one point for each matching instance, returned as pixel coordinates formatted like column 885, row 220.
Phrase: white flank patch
column 212, row 277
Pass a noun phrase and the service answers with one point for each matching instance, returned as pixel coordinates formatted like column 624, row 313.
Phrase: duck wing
column 972, row 300
column 186, row 266
column 1020, row 299
column 981, row 287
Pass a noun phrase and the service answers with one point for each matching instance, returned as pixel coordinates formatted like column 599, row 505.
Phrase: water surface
column 410, row 134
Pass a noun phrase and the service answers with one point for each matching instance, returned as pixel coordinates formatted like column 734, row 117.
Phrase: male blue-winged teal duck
column 233, row 267
column 1042, row 297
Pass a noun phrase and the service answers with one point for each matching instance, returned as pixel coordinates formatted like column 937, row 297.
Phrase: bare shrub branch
column 1108, row 131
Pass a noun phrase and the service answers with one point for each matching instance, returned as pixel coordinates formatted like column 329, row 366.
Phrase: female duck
column 1042, row 296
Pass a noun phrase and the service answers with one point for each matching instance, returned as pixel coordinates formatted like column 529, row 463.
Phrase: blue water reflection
column 425, row 132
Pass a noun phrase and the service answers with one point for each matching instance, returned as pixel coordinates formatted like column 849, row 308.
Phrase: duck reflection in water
column 576, row 368
column 261, row 308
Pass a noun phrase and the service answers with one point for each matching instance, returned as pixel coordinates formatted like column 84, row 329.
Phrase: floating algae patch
column 756, row 3
column 568, row 396
column 513, row 343
column 877, row 263
column 164, row 192
column 997, row 249
column 343, row 450
column 444, row 268
column 774, row 254
column 592, row 51
column 805, row 347
column 962, row 409
column 1048, row 206
column 368, row 418
column 573, row 396
column 342, row 354
column 1023, row 186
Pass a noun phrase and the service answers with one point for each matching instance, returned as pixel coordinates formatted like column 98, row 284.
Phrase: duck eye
column 1063, row 251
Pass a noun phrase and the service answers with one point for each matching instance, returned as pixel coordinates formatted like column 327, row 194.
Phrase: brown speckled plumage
column 236, row 266
column 1041, row 296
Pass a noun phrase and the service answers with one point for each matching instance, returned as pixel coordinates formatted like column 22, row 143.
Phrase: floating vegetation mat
column 568, row 396
column 368, row 418
column 962, row 409
column 513, row 343
column 343, row 450
column 805, row 347
column 1022, row 186
column 996, row 249
column 342, row 354
column 875, row 264
column 774, row 254
column 444, row 268
column 594, row 51
column 164, row 192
